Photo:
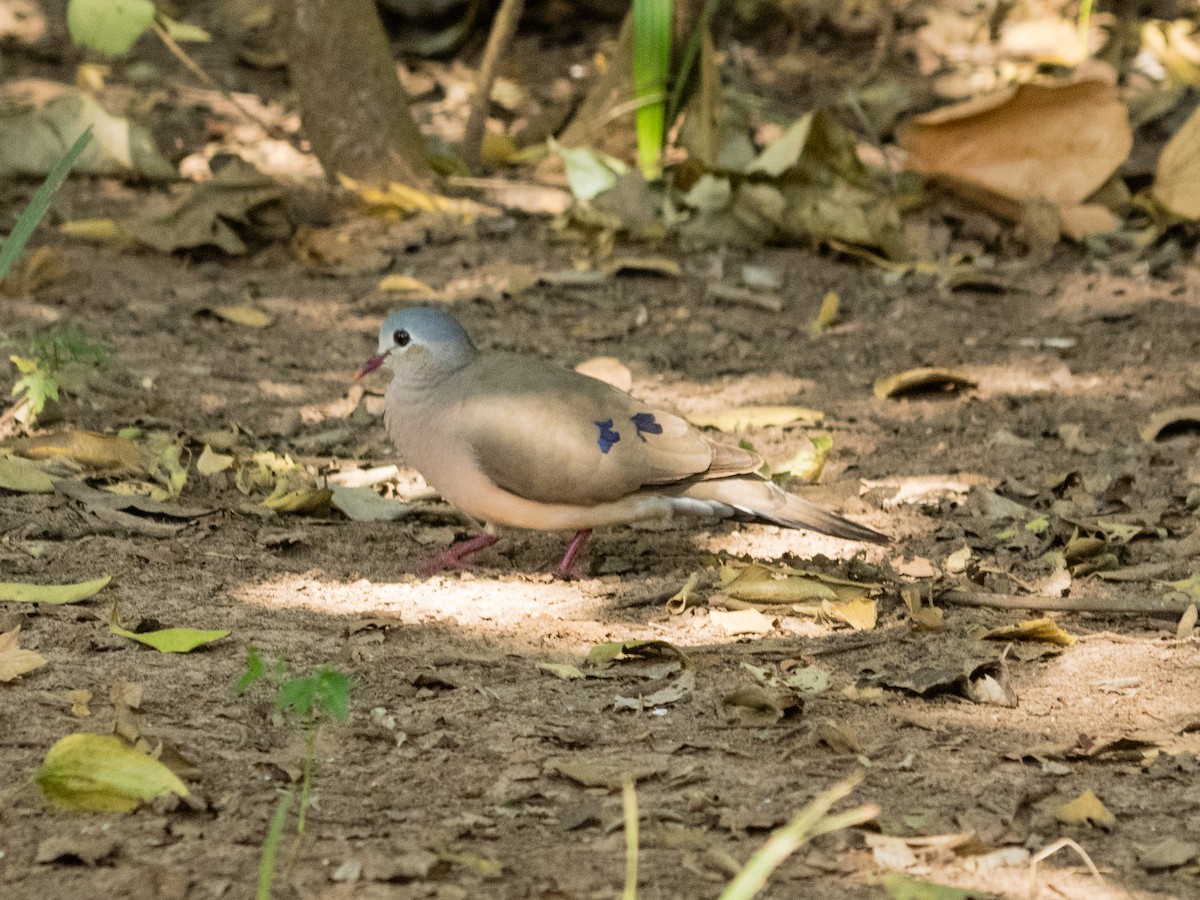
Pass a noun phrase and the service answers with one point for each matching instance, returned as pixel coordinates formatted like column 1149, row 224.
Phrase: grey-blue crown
column 427, row 325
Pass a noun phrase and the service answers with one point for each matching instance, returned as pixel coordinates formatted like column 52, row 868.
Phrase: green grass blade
column 629, row 806
column 783, row 842
column 33, row 213
column 651, row 64
column 683, row 78
column 266, row 866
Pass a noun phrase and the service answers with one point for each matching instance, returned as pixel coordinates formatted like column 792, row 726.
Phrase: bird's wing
column 552, row 435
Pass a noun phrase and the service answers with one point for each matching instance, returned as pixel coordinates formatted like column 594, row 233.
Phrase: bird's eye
column 401, row 338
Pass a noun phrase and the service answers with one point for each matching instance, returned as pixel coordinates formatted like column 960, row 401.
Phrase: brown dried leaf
column 1055, row 142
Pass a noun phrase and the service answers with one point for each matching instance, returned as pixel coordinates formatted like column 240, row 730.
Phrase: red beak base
column 370, row 366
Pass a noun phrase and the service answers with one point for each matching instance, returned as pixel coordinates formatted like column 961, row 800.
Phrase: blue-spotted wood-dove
column 520, row 442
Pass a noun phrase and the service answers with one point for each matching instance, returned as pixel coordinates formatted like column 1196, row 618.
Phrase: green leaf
column 256, row 670
column 23, row 477
column 171, row 640
column 333, row 688
column 33, row 213
column 101, row 773
column 903, row 887
column 589, row 172
column 17, row 592
column 109, row 26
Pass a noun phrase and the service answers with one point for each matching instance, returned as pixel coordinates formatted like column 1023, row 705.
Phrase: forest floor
column 465, row 769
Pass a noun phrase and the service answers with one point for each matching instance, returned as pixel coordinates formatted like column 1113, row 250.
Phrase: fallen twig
column 1144, row 606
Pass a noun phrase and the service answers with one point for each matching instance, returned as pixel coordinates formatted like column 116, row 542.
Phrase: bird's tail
column 757, row 499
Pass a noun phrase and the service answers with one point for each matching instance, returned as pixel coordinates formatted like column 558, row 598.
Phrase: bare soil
column 455, row 734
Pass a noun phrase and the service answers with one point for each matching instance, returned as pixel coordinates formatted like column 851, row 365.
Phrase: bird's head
column 421, row 339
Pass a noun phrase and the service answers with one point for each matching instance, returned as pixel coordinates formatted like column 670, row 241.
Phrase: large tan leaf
column 1055, row 142
column 1177, row 176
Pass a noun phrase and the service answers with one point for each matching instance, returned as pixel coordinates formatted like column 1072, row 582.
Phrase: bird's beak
column 370, row 366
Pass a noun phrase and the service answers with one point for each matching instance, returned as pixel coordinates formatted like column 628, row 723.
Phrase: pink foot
column 567, row 569
column 455, row 557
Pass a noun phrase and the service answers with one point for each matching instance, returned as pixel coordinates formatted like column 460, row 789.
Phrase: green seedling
column 57, row 358
column 308, row 701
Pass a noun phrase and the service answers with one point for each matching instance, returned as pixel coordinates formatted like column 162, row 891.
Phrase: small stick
column 1146, row 606
column 194, row 67
column 504, row 26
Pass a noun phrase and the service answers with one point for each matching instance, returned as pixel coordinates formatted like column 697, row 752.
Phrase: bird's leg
column 455, row 556
column 566, row 568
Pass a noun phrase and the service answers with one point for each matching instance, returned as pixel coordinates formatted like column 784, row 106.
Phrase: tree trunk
column 355, row 112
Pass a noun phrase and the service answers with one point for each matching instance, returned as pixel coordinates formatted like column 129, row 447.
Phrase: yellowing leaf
column 827, row 317
column 100, row 773
column 14, row 661
column 925, row 380
column 1044, row 629
column 758, row 584
column 211, row 462
column 861, row 615
column 565, row 671
column 742, row 418
column 404, row 284
column 1177, row 175
column 304, row 502
column 809, row 462
column 23, row 477
column 1190, row 586
column 683, row 598
column 98, row 231
column 16, row 592
column 1086, row 809
column 243, row 314
column 410, row 201
column 171, row 640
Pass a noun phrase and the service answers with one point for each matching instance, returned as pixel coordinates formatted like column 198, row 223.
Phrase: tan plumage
column 521, row 442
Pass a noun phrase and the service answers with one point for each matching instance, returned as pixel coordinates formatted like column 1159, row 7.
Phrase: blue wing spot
column 608, row 437
column 645, row 424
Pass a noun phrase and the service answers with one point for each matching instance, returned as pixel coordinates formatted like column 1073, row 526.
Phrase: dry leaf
column 1086, row 809
column 861, row 615
column 642, row 265
column 14, row 661
column 1177, row 176
column 828, row 315
column 1172, row 421
column 742, row 418
column 925, row 380
column 404, row 284
column 242, row 314
column 608, row 369
column 211, row 462
column 1054, row 142
column 1044, row 629
column 742, row 621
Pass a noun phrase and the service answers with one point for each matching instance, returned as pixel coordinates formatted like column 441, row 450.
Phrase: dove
column 519, row 442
